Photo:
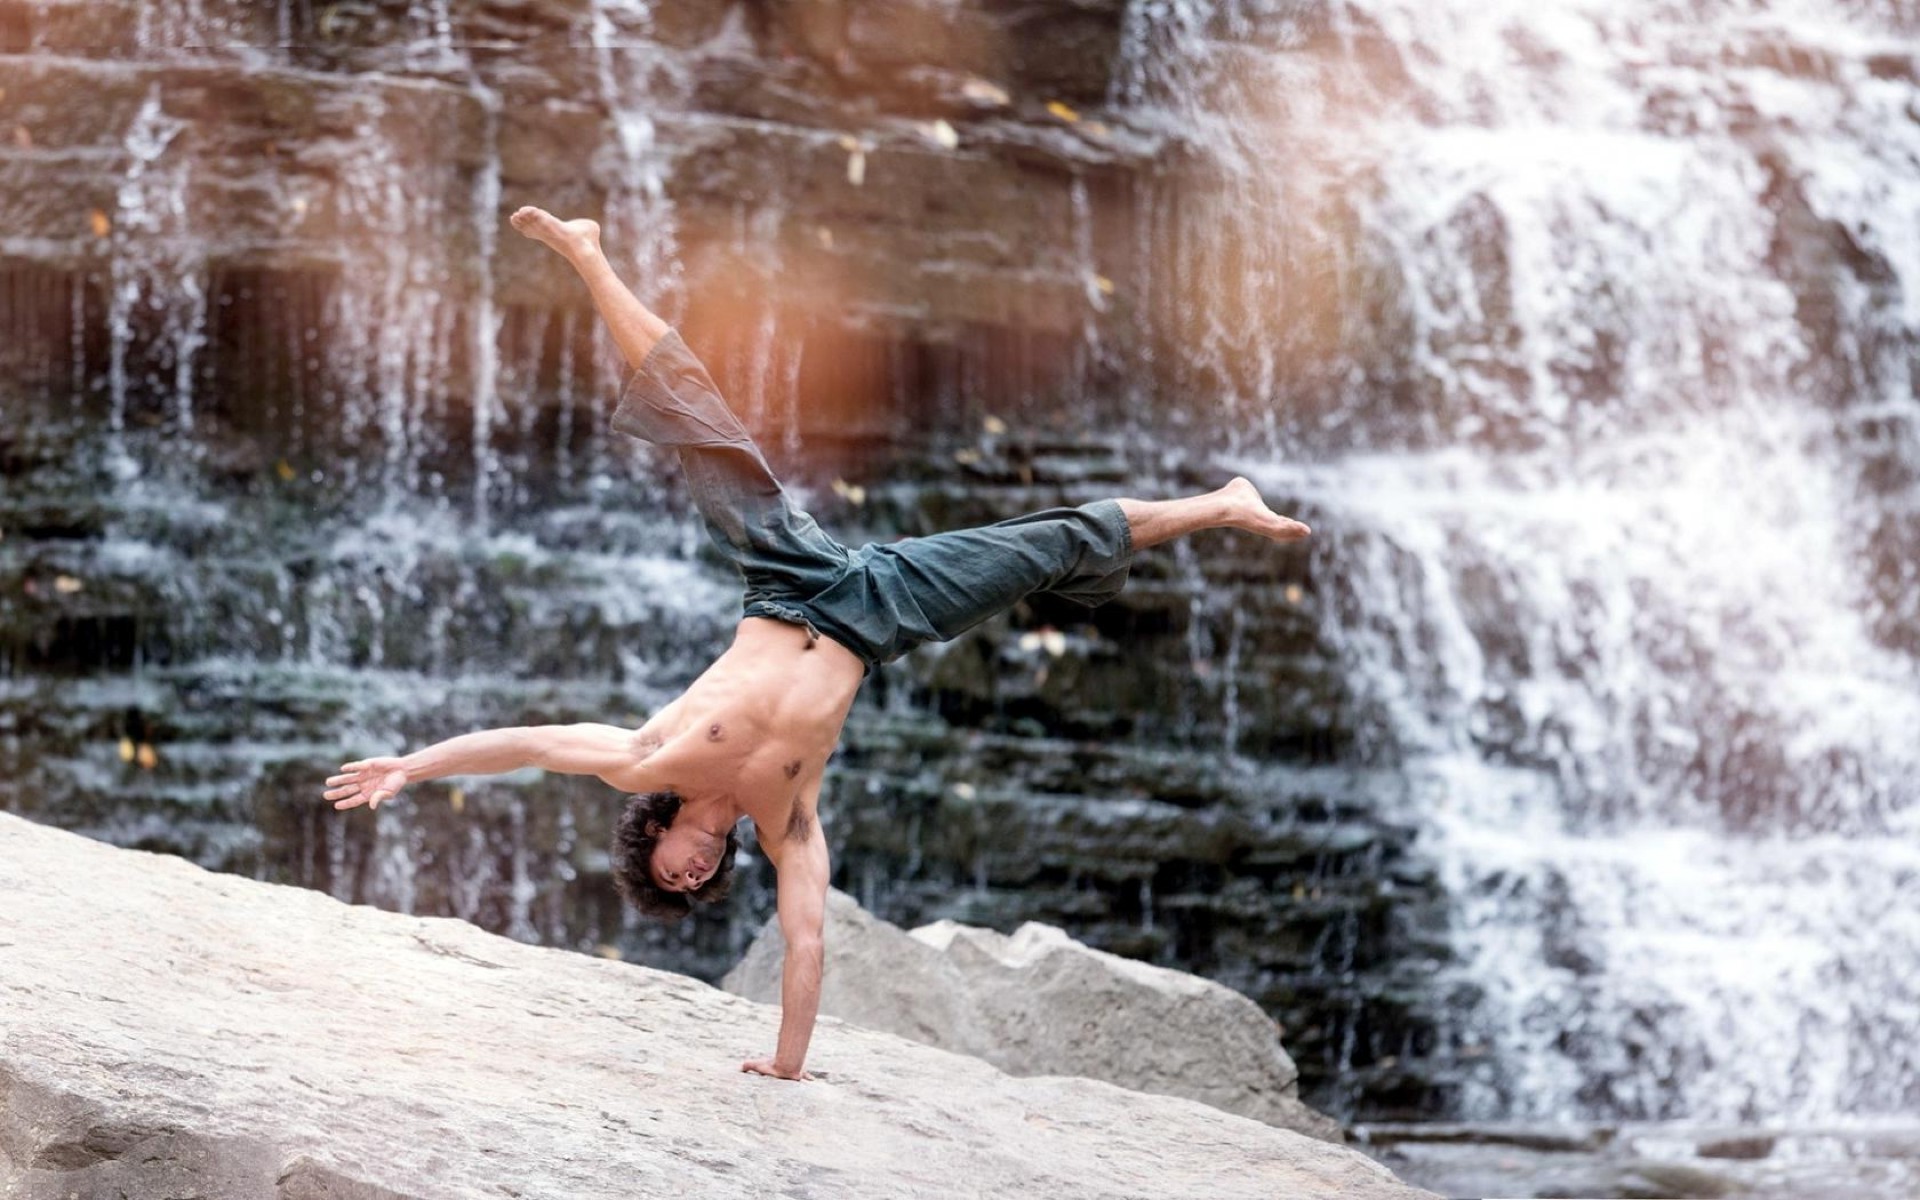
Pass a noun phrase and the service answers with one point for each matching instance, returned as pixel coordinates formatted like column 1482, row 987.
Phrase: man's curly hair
column 648, row 815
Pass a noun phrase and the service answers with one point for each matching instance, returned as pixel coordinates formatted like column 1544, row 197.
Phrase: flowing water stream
column 1617, row 491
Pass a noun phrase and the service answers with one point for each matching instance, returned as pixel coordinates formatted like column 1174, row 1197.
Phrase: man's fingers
column 352, row 766
column 342, row 792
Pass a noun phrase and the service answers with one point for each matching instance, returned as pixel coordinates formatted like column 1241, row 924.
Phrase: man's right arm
column 613, row 754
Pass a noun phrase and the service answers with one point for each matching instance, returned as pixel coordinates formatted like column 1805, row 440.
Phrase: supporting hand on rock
column 766, row 1066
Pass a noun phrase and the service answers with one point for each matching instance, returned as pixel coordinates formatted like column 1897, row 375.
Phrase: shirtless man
column 751, row 736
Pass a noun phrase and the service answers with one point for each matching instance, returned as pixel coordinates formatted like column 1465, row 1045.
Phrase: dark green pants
column 882, row 599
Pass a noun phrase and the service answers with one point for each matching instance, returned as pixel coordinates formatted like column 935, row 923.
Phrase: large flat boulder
column 168, row 1031
column 1040, row 1003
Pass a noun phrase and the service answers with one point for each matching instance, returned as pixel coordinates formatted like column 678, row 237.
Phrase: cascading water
column 1611, row 487
column 1591, row 327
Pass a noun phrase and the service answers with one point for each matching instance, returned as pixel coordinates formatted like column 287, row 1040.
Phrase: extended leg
column 634, row 328
column 1235, row 506
column 671, row 401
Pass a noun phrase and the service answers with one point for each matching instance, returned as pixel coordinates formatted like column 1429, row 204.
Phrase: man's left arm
column 802, row 896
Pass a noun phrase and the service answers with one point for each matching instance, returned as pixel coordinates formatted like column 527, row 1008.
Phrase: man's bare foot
column 568, row 238
column 1248, row 511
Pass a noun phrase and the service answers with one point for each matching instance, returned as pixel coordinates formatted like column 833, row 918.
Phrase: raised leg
column 635, row 329
column 1236, row 506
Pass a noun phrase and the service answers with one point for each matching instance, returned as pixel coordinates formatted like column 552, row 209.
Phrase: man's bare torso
column 754, row 731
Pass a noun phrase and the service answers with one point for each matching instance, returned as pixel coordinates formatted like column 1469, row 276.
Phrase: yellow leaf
column 994, row 425
column 607, row 950
column 851, row 492
column 284, row 469
column 1104, row 284
column 1062, row 111
column 966, row 457
column 126, row 749
column 458, row 798
column 66, row 585
column 147, row 756
column 1096, row 128
column 982, row 92
column 101, row 225
column 1294, row 593
column 857, row 167
column 849, row 143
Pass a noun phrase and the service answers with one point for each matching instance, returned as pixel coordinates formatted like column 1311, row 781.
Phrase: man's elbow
column 806, row 944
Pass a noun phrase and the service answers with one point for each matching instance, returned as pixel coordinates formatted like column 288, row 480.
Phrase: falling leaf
column 22, row 138
column 126, row 749
column 1299, row 892
column 1096, row 128
column 981, row 91
column 940, row 133
column 458, row 798
column 965, row 791
column 849, row 143
column 824, row 236
column 1030, row 641
column 1294, row 593
column 851, row 492
column 994, row 425
column 1062, row 111
column 966, row 457
column 101, row 225
column 66, row 585
column 1104, row 284
column 299, row 206
column 147, row 756
column 284, row 470
column 857, row 167
column 607, row 950
column 1054, row 641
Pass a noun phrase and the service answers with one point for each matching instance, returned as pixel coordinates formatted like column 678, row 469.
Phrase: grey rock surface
column 168, row 1031
column 1040, row 1003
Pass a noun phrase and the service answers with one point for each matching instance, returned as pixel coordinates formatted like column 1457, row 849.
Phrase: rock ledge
column 169, row 1031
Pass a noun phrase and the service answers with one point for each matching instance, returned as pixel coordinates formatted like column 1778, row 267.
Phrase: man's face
column 685, row 857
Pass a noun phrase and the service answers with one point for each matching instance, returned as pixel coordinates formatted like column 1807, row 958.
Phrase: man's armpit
column 799, row 822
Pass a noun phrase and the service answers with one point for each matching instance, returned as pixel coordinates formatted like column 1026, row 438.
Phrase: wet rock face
column 306, row 458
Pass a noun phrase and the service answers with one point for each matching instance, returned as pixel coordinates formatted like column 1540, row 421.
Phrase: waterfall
column 1588, row 332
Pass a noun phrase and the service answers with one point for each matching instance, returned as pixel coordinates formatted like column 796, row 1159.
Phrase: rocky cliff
column 169, row 1031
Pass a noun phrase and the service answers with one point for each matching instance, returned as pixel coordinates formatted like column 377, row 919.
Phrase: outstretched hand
column 368, row 782
column 766, row 1066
